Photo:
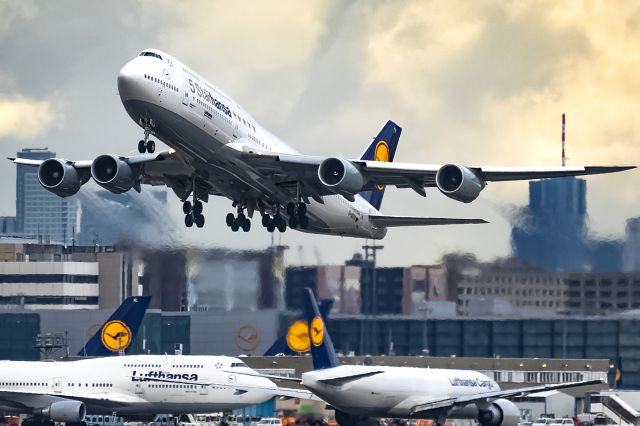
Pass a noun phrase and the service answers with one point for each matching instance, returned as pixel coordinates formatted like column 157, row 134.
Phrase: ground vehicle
column 270, row 421
column 543, row 421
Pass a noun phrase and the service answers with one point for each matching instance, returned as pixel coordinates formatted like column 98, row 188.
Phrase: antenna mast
column 563, row 156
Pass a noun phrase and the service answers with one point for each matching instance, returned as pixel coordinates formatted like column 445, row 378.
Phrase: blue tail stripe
column 280, row 346
column 130, row 312
column 322, row 352
column 389, row 135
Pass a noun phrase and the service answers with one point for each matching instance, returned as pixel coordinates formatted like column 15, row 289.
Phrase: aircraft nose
column 128, row 80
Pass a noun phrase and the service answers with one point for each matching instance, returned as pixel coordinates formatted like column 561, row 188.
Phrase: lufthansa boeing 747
column 219, row 149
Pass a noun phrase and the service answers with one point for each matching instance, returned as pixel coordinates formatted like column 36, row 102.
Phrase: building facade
column 40, row 213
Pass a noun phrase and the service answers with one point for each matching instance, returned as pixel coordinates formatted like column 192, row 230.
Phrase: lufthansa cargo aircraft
column 219, row 149
column 132, row 386
column 360, row 392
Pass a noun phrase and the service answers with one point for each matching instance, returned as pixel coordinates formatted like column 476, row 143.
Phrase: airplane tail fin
column 383, row 148
column 296, row 340
column 118, row 332
column 322, row 352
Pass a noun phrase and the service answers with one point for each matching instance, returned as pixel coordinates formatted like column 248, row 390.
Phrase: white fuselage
column 394, row 391
column 141, row 384
column 211, row 131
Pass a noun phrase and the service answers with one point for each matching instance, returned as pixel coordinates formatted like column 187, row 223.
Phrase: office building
column 631, row 261
column 40, row 213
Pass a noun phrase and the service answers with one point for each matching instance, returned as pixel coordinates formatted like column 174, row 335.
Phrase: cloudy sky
column 479, row 82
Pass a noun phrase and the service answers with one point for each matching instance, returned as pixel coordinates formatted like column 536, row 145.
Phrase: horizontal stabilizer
column 389, row 221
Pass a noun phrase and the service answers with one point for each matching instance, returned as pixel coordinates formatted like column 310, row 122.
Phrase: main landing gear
column 146, row 145
column 193, row 212
column 297, row 215
column 274, row 222
column 235, row 223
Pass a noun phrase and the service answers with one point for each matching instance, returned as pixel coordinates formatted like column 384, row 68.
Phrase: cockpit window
column 155, row 55
column 239, row 364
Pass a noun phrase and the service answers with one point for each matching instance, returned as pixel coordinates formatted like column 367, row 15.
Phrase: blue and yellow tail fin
column 296, row 340
column 322, row 352
column 118, row 332
column 383, row 148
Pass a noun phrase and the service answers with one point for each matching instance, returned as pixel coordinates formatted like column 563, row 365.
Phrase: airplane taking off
column 117, row 333
column 360, row 392
column 134, row 386
column 218, row 149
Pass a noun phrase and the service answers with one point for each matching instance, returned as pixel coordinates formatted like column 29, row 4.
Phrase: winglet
column 118, row 332
column 11, row 158
column 322, row 351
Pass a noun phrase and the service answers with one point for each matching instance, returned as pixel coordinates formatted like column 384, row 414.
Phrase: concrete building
column 42, row 285
column 631, row 260
column 7, row 225
column 40, row 213
column 338, row 282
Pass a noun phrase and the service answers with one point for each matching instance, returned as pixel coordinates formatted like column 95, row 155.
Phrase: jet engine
column 59, row 177
column 65, row 411
column 459, row 183
column 112, row 173
column 501, row 412
column 340, row 176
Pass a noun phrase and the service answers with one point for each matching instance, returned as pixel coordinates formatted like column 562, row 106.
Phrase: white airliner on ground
column 359, row 392
column 134, row 387
column 219, row 149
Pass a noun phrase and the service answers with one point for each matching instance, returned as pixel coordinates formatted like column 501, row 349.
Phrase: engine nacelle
column 340, row 176
column 501, row 412
column 459, row 183
column 59, row 177
column 111, row 173
column 64, row 411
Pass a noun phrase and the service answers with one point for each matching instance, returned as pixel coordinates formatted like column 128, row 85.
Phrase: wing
column 290, row 169
column 389, row 221
column 26, row 400
column 488, row 397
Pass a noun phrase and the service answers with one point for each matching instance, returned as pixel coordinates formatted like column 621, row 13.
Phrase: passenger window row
column 161, row 82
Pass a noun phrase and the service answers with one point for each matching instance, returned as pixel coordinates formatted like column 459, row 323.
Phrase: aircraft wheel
column 186, row 207
column 265, row 220
column 199, row 221
column 230, row 219
column 304, row 222
column 302, row 209
column 188, row 221
column 271, row 227
column 281, row 224
column 241, row 217
column 151, row 147
column 197, row 207
column 142, row 147
column 292, row 222
column 246, row 225
column 235, row 226
column 291, row 209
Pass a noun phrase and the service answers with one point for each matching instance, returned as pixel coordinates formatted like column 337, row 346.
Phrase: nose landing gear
column 146, row 145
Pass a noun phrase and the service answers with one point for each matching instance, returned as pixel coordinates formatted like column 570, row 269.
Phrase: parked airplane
column 217, row 148
column 359, row 392
column 296, row 340
column 133, row 386
column 117, row 333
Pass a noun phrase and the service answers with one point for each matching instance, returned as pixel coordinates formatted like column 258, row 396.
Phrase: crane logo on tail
column 298, row 336
column 116, row 336
column 381, row 153
column 317, row 331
